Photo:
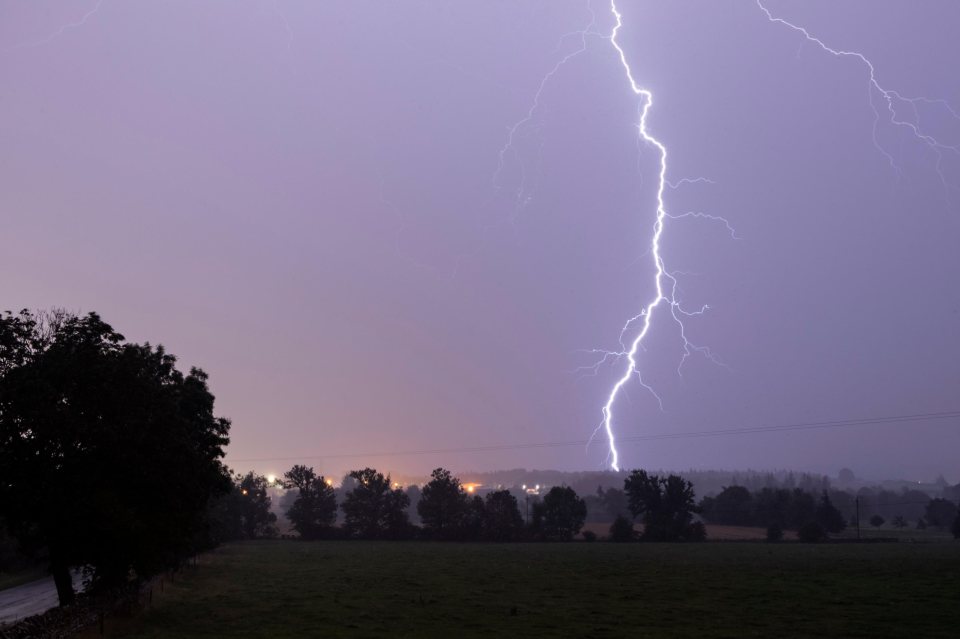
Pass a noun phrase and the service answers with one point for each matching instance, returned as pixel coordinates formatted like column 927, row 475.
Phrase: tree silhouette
column 314, row 511
column 109, row 455
column 733, row 506
column 372, row 509
column 621, row 530
column 256, row 520
column 442, row 505
column 563, row 513
column 940, row 513
column 502, row 518
column 828, row 516
column 666, row 505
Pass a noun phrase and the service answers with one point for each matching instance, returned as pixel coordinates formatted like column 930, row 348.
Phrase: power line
column 893, row 419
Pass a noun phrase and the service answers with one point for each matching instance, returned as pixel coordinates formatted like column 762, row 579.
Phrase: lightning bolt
column 890, row 98
column 645, row 317
column 523, row 196
column 67, row 27
column 666, row 285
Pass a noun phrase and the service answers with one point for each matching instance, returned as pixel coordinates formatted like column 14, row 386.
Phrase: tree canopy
column 315, row 509
column 372, row 509
column 109, row 454
column 563, row 513
column 442, row 505
column 666, row 506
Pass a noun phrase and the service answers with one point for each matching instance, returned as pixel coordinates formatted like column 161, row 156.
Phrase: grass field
column 371, row 589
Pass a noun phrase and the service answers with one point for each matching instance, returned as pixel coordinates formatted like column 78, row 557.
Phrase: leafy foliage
column 502, row 518
column 373, row 510
column 621, row 530
column 940, row 513
column 314, row 511
column 442, row 505
column 563, row 513
column 109, row 455
column 828, row 516
column 666, row 506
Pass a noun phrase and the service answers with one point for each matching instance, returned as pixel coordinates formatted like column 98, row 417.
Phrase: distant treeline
column 368, row 505
column 834, row 509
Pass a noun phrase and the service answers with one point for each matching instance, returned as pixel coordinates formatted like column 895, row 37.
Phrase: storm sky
column 307, row 200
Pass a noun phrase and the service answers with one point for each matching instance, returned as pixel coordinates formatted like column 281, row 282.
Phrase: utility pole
column 857, row 502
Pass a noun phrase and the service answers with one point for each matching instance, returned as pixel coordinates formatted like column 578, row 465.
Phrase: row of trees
column 832, row 511
column 374, row 508
column 110, row 457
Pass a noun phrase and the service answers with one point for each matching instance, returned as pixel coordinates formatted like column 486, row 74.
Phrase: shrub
column 811, row 533
column 774, row 533
column 622, row 530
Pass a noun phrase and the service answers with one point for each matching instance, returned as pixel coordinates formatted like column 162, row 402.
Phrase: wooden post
column 857, row 502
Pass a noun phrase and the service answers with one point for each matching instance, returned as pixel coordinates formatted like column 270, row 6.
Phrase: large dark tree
column 315, row 509
column 442, row 505
column 733, row 506
column 502, row 518
column 666, row 505
column 828, row 516
column 256, row 519
column 563, row 513
column 109, row 455
column 372, row 509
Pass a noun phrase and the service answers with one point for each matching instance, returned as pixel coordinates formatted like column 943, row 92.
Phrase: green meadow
column 380, row 589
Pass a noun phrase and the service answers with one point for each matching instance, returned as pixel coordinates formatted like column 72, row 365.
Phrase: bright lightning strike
column 890, row 98
column 646, row 316
column 666, row 286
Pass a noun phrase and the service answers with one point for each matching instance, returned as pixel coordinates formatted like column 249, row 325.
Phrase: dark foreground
column 369, row 589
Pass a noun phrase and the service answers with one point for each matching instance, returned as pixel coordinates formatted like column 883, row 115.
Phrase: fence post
column 857, row 502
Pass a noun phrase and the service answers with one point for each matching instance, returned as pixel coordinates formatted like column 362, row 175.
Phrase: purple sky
column 300, row 198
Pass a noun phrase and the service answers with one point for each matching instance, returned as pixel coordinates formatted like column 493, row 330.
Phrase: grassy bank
column 369, row 589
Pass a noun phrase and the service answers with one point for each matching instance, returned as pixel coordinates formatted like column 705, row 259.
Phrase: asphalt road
column 30, row 599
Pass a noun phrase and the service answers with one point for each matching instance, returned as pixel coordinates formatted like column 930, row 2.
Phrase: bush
column 622, row 530
column 876, row 521
column 774, row 533
column 589, row 535
column 812, row 533
column 695, row 532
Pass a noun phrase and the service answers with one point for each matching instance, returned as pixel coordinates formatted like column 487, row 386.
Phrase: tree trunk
column 64, row 583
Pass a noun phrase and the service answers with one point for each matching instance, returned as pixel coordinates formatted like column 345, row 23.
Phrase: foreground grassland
column 370, row 589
